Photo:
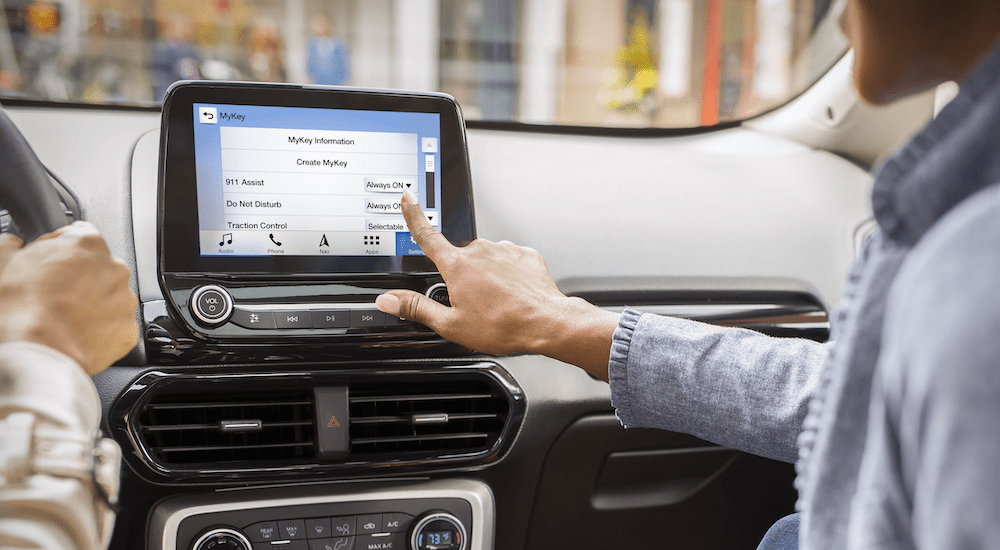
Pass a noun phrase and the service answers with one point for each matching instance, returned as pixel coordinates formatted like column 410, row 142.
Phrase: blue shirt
column 921, row 467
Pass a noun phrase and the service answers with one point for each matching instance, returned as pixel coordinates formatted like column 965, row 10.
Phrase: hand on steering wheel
column 64, row 289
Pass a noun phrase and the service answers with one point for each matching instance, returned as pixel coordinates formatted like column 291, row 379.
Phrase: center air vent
column 200, row 427
column 229, row 427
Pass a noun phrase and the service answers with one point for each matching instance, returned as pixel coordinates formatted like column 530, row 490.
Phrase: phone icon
column 272, row 239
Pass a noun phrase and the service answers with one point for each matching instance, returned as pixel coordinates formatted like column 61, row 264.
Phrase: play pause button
column 331, row 319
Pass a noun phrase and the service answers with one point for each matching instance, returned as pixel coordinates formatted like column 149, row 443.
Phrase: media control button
column 331, row 318
column 343, row 526
column 387, row 541
column 211, row 304
column 256, row 319
column 318, row 528
column 396, row 522
column 340, row 543
column 367, row 318
column 293, row 319
column 292, row 529
column 371, row 523
column 265, row 531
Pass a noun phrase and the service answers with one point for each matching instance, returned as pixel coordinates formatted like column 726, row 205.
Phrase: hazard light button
column 332, row 421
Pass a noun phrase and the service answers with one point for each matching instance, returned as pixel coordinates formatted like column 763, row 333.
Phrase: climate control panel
column 437, row 515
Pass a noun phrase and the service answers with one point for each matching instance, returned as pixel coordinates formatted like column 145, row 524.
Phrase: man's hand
column 503, row 301
column 66, row 291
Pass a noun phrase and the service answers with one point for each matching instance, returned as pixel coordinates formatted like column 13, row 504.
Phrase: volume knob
column 211, row 304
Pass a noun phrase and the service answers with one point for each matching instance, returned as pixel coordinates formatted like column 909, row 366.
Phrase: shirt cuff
column 49, row 412
column 49, row 384
column 618, row 365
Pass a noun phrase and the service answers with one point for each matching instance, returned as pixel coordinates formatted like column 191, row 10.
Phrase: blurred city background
column 666, row 63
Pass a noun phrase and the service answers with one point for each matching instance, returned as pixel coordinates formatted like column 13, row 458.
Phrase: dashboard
column 373, row 433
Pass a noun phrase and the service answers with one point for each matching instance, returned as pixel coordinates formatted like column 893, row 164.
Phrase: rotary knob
column 439, row 293
column 439, row 531
column 211, row 304
column 222, row 538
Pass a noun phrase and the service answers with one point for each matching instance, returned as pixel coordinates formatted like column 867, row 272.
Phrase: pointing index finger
column 430, row 240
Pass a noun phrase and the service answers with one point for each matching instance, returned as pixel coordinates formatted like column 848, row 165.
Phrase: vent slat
column 408, row 419
column 440, row 397
column 182, row 427
column 228, row 448
column 419, row 438
column 220, row 405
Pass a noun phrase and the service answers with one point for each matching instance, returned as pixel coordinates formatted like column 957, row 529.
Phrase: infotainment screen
column 285, row 180
column 312, row 182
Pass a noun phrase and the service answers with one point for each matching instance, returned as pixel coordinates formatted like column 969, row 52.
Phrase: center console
column 298, row 415
column 279, row 214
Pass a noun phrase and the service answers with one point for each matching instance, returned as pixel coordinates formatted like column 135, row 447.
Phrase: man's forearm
column 579, row 333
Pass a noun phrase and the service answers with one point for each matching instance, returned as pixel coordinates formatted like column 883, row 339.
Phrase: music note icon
column 223, row 241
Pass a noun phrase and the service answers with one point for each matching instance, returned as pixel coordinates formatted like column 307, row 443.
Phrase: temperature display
column 437, row 540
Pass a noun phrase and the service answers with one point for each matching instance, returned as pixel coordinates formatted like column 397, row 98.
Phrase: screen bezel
column 178, row 235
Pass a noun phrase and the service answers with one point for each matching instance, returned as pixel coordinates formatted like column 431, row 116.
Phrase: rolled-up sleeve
column 49, row 418
column 730, row 386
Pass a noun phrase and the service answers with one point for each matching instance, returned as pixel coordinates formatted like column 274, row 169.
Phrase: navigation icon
column 324, row 242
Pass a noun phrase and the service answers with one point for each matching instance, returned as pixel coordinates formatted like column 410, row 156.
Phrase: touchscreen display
column 297, row 181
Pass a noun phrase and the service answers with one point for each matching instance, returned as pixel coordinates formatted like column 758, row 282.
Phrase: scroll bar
column 429, row 167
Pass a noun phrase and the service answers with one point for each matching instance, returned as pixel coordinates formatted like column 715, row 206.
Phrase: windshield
column 614, row 63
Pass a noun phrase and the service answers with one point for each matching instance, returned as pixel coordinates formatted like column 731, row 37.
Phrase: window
column 618, row 63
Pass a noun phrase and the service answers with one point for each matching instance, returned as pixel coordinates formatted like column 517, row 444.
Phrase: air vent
column 229, row 427
column 201, row 428
column 425, row 418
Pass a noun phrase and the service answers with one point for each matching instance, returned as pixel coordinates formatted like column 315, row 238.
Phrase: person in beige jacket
column 66, row 313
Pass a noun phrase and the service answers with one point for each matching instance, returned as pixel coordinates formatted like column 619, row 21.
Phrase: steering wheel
column 25, row 189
